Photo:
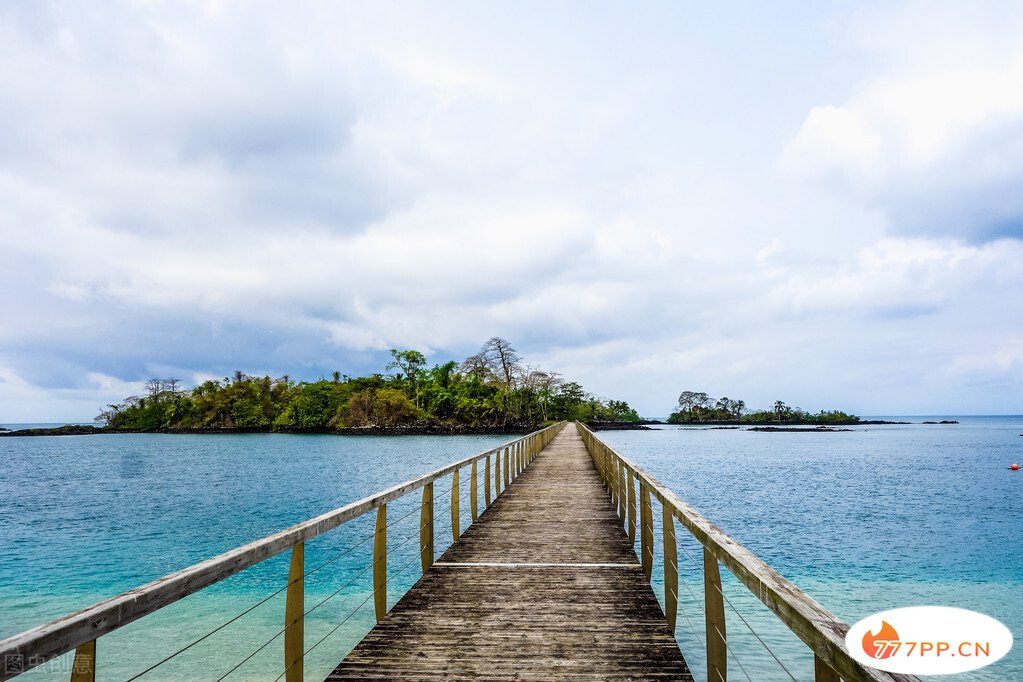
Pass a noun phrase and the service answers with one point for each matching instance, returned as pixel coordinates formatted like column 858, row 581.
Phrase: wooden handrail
column 818, row 628
column 33, row 647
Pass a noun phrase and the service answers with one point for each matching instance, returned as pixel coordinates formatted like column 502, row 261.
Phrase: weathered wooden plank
column 486, row 482
column 473, row 494
column 670, row 568
column 380, row 564
column 632, row 507
column 646, row 531
column 544, row 586
column 426, row 549
column 454, row 507
column 714, row 603
column 83, row 669
column 294, row 616
column 822, row 672
column 506, row 459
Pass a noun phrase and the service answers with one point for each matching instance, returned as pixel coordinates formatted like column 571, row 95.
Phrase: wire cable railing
column 749, row 627
column 352, row 580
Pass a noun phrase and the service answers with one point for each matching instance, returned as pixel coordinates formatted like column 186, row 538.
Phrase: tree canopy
column 492, row 388
column 696, row 407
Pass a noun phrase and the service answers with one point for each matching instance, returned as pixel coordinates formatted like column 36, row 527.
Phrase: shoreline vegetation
column 492, row 391
column 696, row 408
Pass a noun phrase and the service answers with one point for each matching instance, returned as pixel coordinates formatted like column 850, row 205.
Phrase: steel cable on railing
column 366, row 600
column 704, row 642
column 336, row 592
column 691, row 627
column 348, row 584
column 720, row 634
column 744, row 621
column 248, row 610
column 350, row 614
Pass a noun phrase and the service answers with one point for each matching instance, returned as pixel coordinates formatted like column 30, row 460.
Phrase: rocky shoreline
column 798, row 429
column 400, row 430
column 785, row 424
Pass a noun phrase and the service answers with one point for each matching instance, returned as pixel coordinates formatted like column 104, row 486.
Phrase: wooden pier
column 544, row 586
column 544, row 583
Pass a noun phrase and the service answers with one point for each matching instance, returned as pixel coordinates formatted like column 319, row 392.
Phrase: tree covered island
column 695, row 407
column 492, row 389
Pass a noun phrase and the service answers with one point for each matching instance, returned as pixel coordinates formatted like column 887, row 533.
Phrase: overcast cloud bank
column 817, row 205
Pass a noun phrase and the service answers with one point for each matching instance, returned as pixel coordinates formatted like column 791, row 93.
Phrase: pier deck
column 544, row 585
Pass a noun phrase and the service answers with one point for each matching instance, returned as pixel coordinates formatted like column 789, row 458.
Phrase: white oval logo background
column 913, row 640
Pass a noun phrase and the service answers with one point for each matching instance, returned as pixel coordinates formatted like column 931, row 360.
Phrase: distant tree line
column 492, row 388
column 696, row 406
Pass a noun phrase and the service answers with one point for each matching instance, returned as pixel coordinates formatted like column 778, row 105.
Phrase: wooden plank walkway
column 544, row 586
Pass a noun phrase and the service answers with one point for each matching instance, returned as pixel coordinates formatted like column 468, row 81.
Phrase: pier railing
column 80, row 631
column 632, row 491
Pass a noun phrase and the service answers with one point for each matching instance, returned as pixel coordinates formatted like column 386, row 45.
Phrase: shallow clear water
column 876, row 518
column 83, row 518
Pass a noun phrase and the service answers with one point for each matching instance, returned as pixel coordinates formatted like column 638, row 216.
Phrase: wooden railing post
column 620, row 474
column 670, row 567
column 822, row 672
column 632, row 507
column 613, row 479
column 473, row 495
column 380, row 563
column 506, row 459
column 294, row 616
column 454, row 506
column 84, row 667
column 497, row 472
column 605, row 465
column 486, row 482
column 426, row 528
column 714, row 605
column 646, row 531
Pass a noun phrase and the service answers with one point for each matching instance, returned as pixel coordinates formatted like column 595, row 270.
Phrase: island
column 491, row 391
column 697, row 408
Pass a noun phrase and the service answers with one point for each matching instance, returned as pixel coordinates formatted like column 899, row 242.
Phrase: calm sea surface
column 876, row 518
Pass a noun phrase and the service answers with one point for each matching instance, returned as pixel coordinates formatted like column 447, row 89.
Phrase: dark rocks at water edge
column 793, row 429
column 399, row 430
column 641, row 425
column 67, row 430
column 943, row 421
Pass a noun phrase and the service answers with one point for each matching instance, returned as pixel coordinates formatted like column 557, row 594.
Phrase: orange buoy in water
column 1014, row 467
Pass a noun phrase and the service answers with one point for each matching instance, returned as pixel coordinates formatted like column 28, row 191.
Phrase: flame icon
column 878, row 646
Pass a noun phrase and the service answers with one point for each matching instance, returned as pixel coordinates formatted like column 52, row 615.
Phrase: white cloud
column 191, row 190
column 935, row 136
column 835, row 140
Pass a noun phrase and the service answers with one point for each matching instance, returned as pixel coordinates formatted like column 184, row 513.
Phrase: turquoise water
column 872, row 519
column 83, row 518
column 875, row 518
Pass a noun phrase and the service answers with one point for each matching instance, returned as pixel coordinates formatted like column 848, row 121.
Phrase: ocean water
column 83, row 518
column 875, row 518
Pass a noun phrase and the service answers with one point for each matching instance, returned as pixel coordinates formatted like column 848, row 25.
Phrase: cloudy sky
column 817, row 202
